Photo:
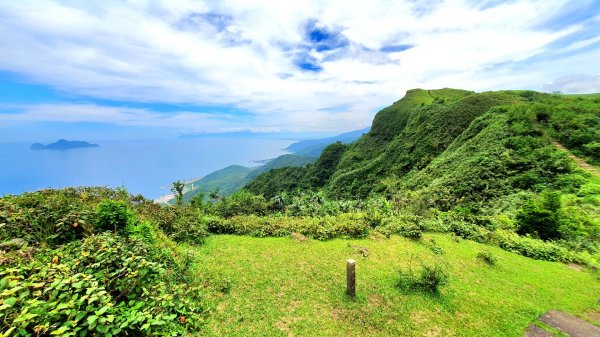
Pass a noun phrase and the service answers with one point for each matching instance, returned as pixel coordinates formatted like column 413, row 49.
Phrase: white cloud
column 93, row 113
column 575, row 84
column 166, row 51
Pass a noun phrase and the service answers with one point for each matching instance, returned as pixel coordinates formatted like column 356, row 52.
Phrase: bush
column 54, row 217
column 350, row 225
column 103, row 285
column 113, row 216
column 241, row 203
column 404, row 225
column 487, row 257
column 467, row 231
column 182, row 224
column 533, row 248
column 541, row 217
column 430, row 278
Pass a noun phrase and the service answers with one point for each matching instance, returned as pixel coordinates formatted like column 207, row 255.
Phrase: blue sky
column 165, row 68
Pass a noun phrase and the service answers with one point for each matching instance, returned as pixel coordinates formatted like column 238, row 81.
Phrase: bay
column 146, row 167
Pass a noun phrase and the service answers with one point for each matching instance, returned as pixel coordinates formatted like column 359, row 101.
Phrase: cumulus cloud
column 574, row 84
column 286, row 63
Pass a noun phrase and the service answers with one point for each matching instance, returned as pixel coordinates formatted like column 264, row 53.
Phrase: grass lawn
column 284, row 287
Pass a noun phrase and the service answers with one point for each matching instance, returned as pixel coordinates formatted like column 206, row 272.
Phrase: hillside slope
column 299, row 287
column 484, row 159
column 233, row 178
column 428, row 127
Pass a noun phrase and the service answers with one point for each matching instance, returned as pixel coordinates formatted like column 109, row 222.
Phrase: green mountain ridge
column 435, row 205
column 480, row 156
column 430, row 125
column 233, row 178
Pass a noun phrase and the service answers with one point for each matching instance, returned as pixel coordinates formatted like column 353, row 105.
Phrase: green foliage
column 290, row 179
column 487, row 257
column 233, row 178
column 406, row 225
column 102, row 285
column 198, row 201
column 321, row 228
column 537, row 249
column 277, row 181
column 541, row 217
column 326, row 165
column 52, row 217
column 113, row 216
column 241, row 203
column 177, row 190
column 429, row 278
column 58, row 276
column 181, row 224
column 575, row 123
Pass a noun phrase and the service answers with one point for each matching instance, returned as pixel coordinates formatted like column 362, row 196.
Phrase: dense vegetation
column 487, row 162
column 299, row 178
column 94, row 261
column 233, row 178
column 486, row 167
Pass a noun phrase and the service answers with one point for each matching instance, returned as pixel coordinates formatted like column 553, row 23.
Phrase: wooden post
column 351, row 277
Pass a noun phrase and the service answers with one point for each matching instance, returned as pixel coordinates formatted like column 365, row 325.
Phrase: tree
column 214, row 194
column 177, row 189
column 198, row 200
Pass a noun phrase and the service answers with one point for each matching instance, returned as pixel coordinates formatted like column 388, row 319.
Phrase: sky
column 166, row 68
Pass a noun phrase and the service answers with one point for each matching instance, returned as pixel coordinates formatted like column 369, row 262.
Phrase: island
column 63, row 144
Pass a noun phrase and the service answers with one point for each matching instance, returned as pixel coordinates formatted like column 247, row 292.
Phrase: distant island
column 63, row 144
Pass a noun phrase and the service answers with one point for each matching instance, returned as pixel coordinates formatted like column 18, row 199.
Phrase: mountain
column 453, row 147
column 233, row 178
column 63, row 144
column 314, row 147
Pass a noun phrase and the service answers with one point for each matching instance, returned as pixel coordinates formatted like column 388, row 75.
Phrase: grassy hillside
column 469, row 214
column 468, row 162
column 284, row 287
column 299, row 178
column 227, row 181
column 233, row 178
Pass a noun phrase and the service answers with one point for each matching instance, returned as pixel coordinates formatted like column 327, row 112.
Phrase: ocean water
column 145, row 167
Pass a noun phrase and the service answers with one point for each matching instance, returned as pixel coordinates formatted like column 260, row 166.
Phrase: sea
column 146, row 167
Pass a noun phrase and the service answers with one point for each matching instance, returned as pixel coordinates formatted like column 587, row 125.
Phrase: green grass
column 280, row 287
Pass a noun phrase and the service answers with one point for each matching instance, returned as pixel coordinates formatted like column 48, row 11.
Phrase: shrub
column 113, row 216
column 241, row 203
column 467, row 231
column 182, row 224
column 404, row 225
column 103, row 285
column 350, row 225
column 430, row 278
column 43, row 220
column 487, row 257
column 530, row 247
column 541, row 217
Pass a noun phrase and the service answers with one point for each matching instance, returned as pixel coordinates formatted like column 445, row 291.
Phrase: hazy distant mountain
column 233, row 178
column 314, row 147
column 63, row 144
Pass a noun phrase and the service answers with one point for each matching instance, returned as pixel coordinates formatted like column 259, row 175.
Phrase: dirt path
column 565, row 323
column 580, row 162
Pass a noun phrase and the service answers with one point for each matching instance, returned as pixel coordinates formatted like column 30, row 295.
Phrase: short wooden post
column 351, row 277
